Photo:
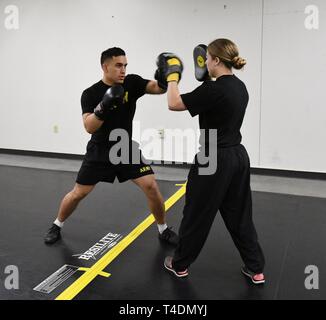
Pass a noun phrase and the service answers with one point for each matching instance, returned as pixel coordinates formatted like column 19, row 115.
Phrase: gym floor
column 289, row 214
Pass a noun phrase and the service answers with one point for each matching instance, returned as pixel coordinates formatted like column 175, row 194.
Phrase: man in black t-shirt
column 109, row 107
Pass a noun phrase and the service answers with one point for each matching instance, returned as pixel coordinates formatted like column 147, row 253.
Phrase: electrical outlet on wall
column 160, row 133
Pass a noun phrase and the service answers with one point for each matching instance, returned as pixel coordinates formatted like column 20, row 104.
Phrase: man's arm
column 174, row 99
column 91, row 122
column 153, row 88
column 111, row 99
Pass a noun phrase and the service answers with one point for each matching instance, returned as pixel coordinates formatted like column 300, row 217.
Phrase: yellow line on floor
column 103, row 274
column 97, row 269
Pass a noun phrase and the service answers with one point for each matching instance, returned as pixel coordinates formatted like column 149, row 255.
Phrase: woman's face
column 211, row 64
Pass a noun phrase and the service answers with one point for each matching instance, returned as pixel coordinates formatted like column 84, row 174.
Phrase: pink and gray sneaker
column 168, row 266
column 256, row 278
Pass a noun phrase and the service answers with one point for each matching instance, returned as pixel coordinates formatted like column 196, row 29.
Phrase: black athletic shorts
column 96, row 167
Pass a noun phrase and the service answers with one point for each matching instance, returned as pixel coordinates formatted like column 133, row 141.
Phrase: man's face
column 115, row 69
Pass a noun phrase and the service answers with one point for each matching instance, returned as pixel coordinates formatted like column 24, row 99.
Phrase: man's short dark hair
column 111, row 52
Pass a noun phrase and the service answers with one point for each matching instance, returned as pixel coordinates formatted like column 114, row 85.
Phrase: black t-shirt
column 221, row 105
column 122, row 116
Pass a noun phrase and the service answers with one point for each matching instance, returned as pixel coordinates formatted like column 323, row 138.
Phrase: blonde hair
column 227, row 52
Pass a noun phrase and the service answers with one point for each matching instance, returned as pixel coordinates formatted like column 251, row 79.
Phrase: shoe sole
column 174, row 272
column 252, row 280
column 53, row 241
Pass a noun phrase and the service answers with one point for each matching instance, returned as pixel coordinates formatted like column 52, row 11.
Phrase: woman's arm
column 174, row 99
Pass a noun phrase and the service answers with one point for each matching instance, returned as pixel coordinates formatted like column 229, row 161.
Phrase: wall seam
column 261, row 83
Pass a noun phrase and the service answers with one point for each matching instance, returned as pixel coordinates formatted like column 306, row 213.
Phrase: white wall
column 293, row 122
column 54, row 56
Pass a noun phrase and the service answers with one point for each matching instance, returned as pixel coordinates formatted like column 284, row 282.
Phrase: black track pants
column 227, row 190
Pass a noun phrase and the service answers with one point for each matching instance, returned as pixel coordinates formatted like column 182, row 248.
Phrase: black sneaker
column 169, row 237
column 53, row 234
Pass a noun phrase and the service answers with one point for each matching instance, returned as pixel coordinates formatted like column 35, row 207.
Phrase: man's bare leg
column 68, row 204
column 71, row 200
column 156, row 205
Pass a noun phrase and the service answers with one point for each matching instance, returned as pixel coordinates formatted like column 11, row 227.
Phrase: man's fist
column 111, row 99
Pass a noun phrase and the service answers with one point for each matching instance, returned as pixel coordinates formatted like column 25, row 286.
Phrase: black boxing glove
column 161, row 79
column 111, row 99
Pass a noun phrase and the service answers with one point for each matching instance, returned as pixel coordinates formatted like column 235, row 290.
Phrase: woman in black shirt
column 221, row 107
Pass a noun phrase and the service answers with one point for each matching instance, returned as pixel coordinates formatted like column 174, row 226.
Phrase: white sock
column 161, row 227
column 58, row 223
